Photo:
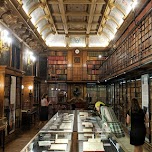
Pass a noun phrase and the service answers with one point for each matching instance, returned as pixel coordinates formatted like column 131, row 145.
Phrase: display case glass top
column 86, row 122
column 51, row 141
column 62, row 121
column 98, row 142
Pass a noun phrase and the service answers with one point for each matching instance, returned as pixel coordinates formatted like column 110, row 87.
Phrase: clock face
column 77, row 51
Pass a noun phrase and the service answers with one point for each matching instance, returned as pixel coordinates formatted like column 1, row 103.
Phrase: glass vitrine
column 98, row 141
column 86, row 122
column 49, row 141
column 62, row 121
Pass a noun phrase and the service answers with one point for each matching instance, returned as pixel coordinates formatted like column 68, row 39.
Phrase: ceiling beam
column 76, row 14
column 50, row 18
column 71, row 23
column 76, row 2
column 61, row 7
column 103, row 18
column 87, row 40
column 92, row 10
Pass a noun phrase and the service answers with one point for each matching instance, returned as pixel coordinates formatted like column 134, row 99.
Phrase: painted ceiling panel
column 97, row 41
column 27, row 4
column 112, row 24
column 77, row 19
column 45, row 32
column 125, row 5
column 109, row 33
column 117, row 15
column 42, row 24
column 56, row 41
column 36, row 14
column 76, row 41
column 76, row 7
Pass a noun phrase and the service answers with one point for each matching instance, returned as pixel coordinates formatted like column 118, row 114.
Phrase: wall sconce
column 5, row 41
column 30, row 89
column 22, row 87
column 30, row 58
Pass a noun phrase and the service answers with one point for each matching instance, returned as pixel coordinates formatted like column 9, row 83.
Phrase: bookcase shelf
column 57, row 65
column 94, row 62
column 132, row 49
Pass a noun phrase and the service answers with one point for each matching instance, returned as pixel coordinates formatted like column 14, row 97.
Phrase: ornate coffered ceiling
column 66, row 23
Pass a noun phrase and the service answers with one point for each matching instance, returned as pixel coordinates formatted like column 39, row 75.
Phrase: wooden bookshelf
column 132, row 51
column 150, row 90
column 94, row 63
column 57, row 66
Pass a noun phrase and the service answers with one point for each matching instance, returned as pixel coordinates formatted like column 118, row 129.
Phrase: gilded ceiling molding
column 105, row 14
column 87, row 40
column 20, row 2
column 74, row 23
column 24, row 36
column 16, row 26
column 102, row 24
column 111, row 5
column 92, row 10
column 7, row 13
column 67, row 40
column 40, row 19
column 34, row 7
column 50, row 18
column 76, row 14
column 28, row 39
column 16, row 22
column 61, row 7
column 76, row 2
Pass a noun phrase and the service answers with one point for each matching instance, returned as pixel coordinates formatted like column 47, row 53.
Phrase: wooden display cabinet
column 10, row 97
column 30, row 92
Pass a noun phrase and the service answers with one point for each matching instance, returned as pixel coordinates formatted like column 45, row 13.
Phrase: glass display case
column 86, row 122
column 98, row 133
column 98, row 142
column 62, row 121
column 75, row 130
column 49, row 141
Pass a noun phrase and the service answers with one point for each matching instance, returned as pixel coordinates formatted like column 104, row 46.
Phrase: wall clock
column 77, row 51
